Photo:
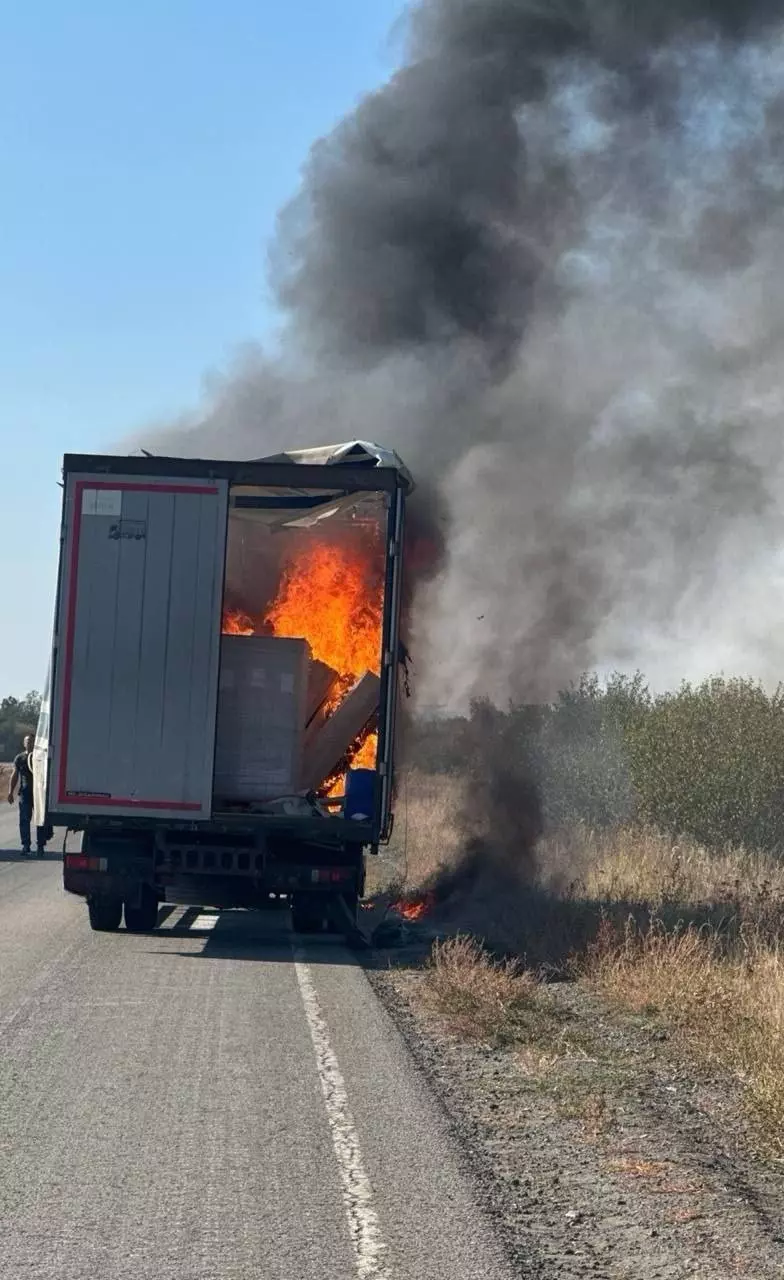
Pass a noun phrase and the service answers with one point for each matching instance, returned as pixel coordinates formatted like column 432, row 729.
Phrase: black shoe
column 41, row 850
column 25, row 851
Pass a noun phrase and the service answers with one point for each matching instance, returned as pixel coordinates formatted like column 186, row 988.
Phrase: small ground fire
column 415, row 908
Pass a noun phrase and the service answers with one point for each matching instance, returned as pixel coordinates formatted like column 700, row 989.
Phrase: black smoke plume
column 543, row 262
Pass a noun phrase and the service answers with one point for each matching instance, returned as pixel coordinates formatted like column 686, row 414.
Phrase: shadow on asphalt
column 265, row 937
column 15, row 855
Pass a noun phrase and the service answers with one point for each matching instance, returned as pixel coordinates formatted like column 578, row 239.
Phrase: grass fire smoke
column 543, row 262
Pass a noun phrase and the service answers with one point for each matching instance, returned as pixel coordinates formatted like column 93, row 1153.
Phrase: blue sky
column 146, row 149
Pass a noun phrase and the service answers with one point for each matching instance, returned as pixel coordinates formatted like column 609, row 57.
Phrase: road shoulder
column 600, row 1152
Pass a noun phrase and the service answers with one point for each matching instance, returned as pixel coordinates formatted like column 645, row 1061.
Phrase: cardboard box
column 328, row 746
column 262, row 708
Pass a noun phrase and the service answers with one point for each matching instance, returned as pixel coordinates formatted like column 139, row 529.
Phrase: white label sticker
column 258, row 678
column 102, row 502
column 287, row 683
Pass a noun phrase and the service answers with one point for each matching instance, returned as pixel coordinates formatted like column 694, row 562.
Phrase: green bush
column 706, row 761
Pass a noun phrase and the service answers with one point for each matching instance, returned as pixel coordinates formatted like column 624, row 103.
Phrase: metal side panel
column 138, row 646
column 391, row 657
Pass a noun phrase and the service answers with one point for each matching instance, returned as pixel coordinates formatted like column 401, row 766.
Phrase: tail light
column 331, row 875
column 82, row 862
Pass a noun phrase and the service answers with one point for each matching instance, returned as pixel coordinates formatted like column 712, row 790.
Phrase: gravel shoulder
column 600, row 1151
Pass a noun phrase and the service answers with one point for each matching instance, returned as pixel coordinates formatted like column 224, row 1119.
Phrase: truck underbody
column 129, row 871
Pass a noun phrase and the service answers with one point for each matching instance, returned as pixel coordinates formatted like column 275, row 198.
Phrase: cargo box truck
column 219, row 721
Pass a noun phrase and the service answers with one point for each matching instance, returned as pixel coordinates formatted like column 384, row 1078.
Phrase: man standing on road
column 23, row 777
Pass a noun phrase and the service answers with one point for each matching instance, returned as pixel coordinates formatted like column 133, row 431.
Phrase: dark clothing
column 24, row 771
column 25, row 817
column 23, row 767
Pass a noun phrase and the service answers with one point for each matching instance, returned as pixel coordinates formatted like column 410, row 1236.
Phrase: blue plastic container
column 360, row 792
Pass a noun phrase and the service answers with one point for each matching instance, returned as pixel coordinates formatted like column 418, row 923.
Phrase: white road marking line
column 369, row 1247
column 205, row 922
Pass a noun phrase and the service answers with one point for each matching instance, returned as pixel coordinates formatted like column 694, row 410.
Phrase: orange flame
column 237, row 623
column 361, row 755
column 415, row 908
column 365, row 756
column 328, row 597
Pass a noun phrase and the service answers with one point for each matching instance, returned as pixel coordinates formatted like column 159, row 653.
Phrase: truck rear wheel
column 350, row 906
column 308, row 913
column 105, row 914
column 142, row 917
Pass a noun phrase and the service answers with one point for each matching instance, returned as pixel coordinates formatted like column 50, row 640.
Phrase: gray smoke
column 542, row 261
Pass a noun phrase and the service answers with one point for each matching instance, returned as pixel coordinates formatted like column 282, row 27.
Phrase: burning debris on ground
column 415, row 908
column 491, row 862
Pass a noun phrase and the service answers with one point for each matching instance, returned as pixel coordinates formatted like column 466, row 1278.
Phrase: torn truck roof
column 356, row 452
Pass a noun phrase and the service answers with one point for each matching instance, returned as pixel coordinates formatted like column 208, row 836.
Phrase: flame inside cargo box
column 331, row 594
column 237, row 623
column 331, row 597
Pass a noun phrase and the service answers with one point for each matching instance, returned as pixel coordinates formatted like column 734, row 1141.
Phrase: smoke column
column 543, row 262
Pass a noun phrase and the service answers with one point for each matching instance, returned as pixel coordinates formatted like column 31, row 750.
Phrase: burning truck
column 221, row 710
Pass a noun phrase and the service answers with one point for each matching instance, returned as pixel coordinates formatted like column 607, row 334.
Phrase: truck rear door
column 137, row 646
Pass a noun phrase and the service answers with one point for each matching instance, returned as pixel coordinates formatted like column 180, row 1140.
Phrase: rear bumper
column 219, row 888
column 95, row 876
column 91, row 884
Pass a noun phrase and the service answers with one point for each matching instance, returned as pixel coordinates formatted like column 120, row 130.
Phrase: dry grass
column 426, row 837
column 620, row 864
column 477, row 996
column 661, row 928
column 633, row 865
column 726, row 1004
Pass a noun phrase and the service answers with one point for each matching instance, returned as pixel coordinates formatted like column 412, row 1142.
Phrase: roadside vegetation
column 706, row 761
column 18, row 716
column 657, row 886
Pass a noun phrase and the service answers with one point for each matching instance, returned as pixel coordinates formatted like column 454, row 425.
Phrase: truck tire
column 144, row 917
column 105, row 914
column 351, row 905
column 307, row 915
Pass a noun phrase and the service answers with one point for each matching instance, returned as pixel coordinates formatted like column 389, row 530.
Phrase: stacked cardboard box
column 280, row 731
column 262, row 709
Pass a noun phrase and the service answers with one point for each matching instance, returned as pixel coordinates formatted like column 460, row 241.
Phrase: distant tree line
column 18, row 716
column 706, row 761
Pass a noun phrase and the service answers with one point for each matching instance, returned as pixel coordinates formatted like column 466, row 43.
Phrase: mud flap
column 356, row 939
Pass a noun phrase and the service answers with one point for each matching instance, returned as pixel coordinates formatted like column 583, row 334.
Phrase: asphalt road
column 216, row 1101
